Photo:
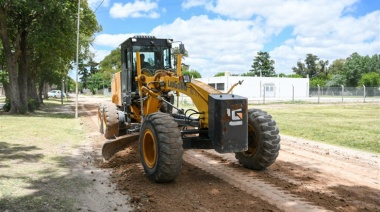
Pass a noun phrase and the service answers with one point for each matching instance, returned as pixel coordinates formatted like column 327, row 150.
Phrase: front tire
column 110, row 121
column 263, row 141
column 100, row 118
column 160, row 147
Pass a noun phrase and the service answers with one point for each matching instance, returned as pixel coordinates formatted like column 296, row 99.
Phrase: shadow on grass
column 48, row 193
column 18, row 152
column 55, row 110
column 54, row 188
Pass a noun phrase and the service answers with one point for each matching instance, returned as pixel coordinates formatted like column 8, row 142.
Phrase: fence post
column 292, row 92
column 342, row 91
column 62, row 90
column 318, row 92
column 264, row 94
column 364, row 93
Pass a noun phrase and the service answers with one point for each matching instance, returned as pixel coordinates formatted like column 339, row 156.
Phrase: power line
column 99, row 6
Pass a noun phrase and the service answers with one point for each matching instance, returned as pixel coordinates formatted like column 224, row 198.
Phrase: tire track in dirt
column 249, row 184
column 322, row 179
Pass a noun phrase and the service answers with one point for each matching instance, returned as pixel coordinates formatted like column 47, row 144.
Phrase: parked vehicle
column 56, row 94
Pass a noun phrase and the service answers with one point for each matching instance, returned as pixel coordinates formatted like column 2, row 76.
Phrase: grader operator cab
column 143, row 108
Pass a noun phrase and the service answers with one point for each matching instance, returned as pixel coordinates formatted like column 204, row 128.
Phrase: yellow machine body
column 142, row 95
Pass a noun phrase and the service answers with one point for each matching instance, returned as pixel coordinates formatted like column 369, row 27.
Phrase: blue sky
column 225, row 35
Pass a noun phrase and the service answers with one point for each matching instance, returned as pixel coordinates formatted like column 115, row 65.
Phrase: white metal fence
column 317, row 95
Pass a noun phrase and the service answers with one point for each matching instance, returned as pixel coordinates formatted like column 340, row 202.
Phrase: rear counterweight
column 228, row 122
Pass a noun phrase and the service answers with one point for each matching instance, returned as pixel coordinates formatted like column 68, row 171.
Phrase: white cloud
column 100, row 54
column 95, row 3
column 137, row 9
column 320, row 27
column 340, row 38
column 111, row 41
column 230, row 42
column 216, row 45
column 194, row 3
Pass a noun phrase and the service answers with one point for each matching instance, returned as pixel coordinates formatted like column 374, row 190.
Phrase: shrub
column 7, row 105
column 32, row 104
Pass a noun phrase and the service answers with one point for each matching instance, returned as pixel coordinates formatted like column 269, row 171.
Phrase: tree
column 96, row 82
column 294, row 76
column 300, row 70
column 337, row 66
column 248, row 74
column 111, row 64
column 317, row 81
column 336, row 81
column 356, row 66
column 263, row 65
column 86, row 71
column 312, row 68
column 220, row 74
column 175, row 53
column 371, row 79
column 311, row 62
column 39, row 42
column 353, row 69
column 322, row 69
column 192, row 73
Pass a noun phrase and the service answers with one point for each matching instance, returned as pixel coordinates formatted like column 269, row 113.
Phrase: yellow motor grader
column 143, row 107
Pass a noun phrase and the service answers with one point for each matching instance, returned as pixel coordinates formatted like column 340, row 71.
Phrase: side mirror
column 182, row 48
column 185, row 78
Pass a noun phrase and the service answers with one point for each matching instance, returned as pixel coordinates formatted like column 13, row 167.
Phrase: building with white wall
column 257, row 87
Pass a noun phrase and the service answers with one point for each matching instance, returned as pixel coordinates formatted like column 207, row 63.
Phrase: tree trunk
column 11, row 60
column 23, row 71
column 32, row 89
column 16, row 106
column 46, row 90
column 7, row 90
column 40, row 91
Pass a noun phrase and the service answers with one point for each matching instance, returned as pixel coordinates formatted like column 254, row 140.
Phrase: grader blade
column 113, row 146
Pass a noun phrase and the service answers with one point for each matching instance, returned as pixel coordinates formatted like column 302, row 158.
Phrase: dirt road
column 307, row 176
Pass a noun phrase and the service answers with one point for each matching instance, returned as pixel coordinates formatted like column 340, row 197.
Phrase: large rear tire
column 110, row 121
column 160, row 147
column 263, row 141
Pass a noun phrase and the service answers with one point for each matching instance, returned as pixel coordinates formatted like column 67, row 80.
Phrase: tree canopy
column 192, row 73
column 39, row 45
column 263, row 65
column 348, row 72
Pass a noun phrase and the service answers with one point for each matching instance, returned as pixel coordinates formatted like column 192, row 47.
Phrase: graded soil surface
column 307, row 176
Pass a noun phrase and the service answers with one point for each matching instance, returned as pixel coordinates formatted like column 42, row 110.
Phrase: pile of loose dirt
column 193, row 190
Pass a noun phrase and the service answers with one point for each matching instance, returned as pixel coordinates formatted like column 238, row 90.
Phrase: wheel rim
column 149, row 149
column 252, row 143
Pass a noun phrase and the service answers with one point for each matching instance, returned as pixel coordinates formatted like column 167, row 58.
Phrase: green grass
column 353, row 125
column 35, row 150
column 349, row 125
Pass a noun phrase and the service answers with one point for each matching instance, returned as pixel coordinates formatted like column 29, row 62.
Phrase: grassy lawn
column 353, row 125
column 35, row 154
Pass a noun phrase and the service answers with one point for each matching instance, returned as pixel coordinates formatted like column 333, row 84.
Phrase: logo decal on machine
column 236, row 116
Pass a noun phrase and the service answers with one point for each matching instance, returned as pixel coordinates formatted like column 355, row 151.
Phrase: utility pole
column 77, row 66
